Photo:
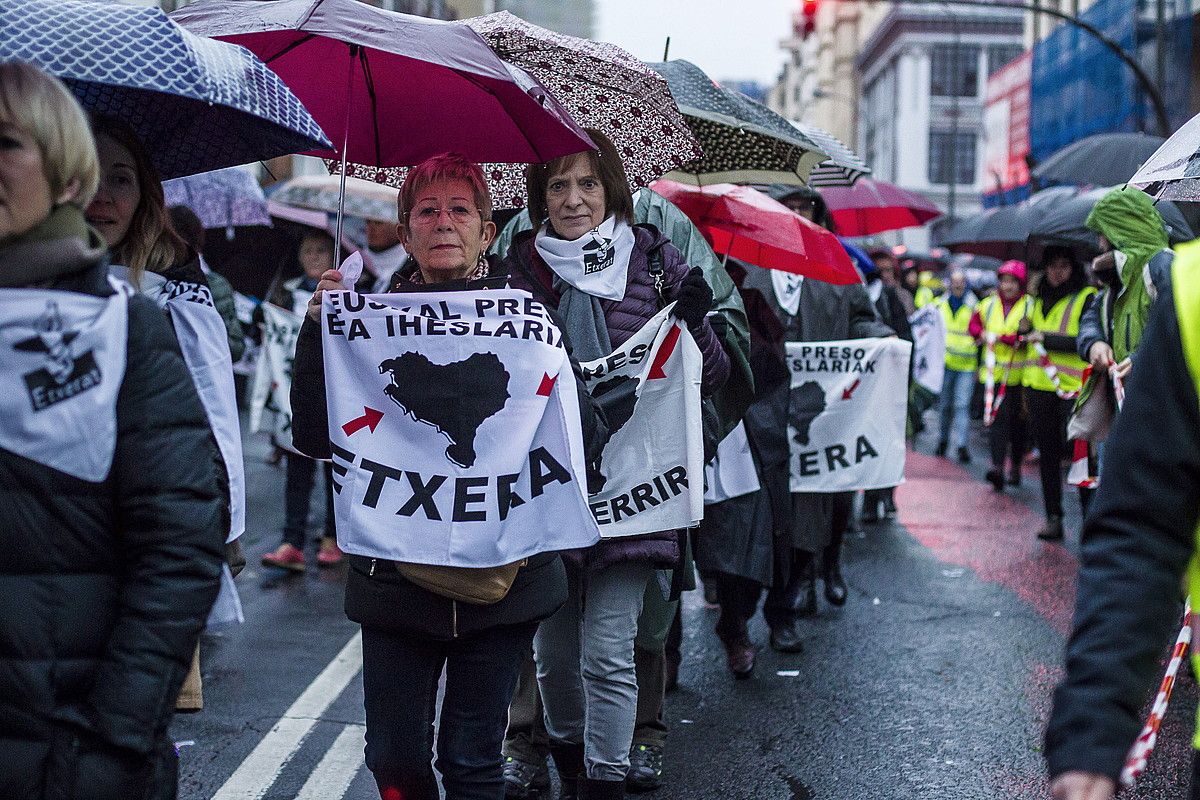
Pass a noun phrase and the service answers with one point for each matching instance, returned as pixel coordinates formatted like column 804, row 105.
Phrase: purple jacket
column 625, row 317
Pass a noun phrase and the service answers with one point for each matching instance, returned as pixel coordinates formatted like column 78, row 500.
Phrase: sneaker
column 645, row 768
column 285, row 556
column 523, row 779
column 329, row 555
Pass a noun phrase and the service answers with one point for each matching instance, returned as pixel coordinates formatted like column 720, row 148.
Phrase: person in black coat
column 109, row 569
column 411, row 633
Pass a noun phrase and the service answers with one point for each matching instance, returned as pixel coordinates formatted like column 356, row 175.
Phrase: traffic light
column 808, row 17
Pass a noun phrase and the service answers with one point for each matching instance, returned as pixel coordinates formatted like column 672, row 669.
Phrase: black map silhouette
column 618, row 397
column 805, row 404
column 455, row 398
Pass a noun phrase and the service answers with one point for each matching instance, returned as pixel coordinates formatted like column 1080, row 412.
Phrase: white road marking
column 255, row 775
column 332, row 776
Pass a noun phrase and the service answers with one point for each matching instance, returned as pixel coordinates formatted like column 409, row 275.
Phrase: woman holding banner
column 410, row 633
column 607, row 278
column 113, row 515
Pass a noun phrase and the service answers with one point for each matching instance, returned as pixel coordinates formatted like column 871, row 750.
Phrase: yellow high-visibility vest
column 962, row 354
column 1008, row 359
column 1062, row 319
column 923, row 296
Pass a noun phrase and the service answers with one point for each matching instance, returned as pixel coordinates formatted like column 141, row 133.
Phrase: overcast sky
column 728, row 39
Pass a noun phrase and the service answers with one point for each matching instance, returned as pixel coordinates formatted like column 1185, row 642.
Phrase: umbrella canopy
column 743, row 141
column 1001, row 232
column 1173, row 171
column 225, row 198
column 747, row 225
column 871, row 206
column 198, row 105
column 1104, row 159
column 843, row 168
column 603, row 87
column 393, row 89
column 1065, row 224
column 365, row 199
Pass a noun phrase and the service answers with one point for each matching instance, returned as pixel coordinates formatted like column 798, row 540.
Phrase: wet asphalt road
column 933, row 681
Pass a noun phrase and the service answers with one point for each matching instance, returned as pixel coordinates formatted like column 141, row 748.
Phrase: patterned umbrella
column 1173, row 171
column 844, row 166
column 225, row 198
column 743, row 141
column 197, row 104
column 871, row 206
column 365, row 199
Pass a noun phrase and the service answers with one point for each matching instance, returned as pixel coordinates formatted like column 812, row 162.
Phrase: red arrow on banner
column 664, row 352
column 849, row 393
column 547, row 385
column 369, row 419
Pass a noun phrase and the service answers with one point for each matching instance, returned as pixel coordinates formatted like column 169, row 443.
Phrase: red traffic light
column 808, row 15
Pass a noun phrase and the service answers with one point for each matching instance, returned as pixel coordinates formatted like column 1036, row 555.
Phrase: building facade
column 572, row 17
column 923, row 73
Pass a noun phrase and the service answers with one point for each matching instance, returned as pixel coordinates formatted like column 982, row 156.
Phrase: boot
column 568, row 760
column 1053, row 530
column 191, row 694
column 835, row 585
column 739, row 652
column 592, row 789
column 806, row 594
column 995, row 477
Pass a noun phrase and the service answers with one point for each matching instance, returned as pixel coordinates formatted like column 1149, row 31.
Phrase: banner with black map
column 653, row 464
column 846, row 414
column 271, row 390
column 455, row 430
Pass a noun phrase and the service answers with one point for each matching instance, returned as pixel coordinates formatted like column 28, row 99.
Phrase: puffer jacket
column 624, row 318
column 104, row 587
column 377, row 595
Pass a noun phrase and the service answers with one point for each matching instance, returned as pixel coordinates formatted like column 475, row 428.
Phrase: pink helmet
column 1014, row 268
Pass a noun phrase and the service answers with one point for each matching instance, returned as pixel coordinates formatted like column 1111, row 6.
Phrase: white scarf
column 787, row 290
column 386, row 262
column 64, row 361
column 596, row 263
column 205, row 345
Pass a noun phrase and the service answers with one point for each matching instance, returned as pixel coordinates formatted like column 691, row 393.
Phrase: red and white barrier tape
column 993, row 396
column 1051, row 371
column 1139, row 754
column 1080, row 473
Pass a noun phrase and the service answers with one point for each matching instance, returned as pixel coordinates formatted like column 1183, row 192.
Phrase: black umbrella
column 743, row 141
column 1064, row 224
column 1104, row 159
column 1001, row 232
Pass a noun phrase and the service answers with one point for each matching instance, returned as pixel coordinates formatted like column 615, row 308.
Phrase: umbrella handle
column 341, row 212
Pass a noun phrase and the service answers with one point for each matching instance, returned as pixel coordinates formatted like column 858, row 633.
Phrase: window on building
column 954, row 70
column 943, row 152
column 1000, row 54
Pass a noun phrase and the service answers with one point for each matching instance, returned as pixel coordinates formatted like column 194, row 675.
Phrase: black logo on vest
column 64, row 376
column 598, row 255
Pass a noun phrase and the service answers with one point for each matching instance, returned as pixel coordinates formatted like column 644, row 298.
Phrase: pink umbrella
column 392, row 89
column 744, row 223
column 872, row 206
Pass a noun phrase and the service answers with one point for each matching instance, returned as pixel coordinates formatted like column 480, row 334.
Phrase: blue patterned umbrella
column 197, row 104
column 225, row 198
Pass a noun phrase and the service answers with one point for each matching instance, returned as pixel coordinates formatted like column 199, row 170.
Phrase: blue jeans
column 955, row 404
column 400, row 685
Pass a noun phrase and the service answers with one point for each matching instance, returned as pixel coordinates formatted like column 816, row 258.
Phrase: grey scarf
column 584, row 318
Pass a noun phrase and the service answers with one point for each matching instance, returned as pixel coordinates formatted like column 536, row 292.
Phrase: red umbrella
column 746, row 224
column 871, row 206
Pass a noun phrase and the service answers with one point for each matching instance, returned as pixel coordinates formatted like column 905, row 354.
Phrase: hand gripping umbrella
column 743, row 141
column 744, row 223
column 198, row 105
column 393, row 89
column 871, row 206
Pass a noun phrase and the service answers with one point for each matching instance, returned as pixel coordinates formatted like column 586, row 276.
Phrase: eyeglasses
column 430, row 214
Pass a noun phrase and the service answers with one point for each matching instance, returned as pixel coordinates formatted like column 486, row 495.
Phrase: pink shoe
column 286, row 556
column 329, row 555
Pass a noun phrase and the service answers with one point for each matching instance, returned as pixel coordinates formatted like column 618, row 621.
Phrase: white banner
column 929, row 347
column 653, row 464
column 731, row 473
column 272, row 387
column 846, row 414
column 454, row 424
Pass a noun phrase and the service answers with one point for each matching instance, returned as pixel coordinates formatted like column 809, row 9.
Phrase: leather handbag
column 480, row 586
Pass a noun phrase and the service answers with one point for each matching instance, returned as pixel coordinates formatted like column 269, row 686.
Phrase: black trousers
column 1007, row 433
column 400, row 686
column 301, row 477
column 1048, row 415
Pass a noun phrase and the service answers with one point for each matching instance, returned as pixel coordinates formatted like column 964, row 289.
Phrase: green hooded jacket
column 651, row 208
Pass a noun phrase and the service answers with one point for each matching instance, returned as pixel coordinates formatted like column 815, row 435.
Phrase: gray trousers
column 586, row 671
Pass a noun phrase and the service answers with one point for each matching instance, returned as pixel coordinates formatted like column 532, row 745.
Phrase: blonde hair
column 39, row 104
column 150, row 243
